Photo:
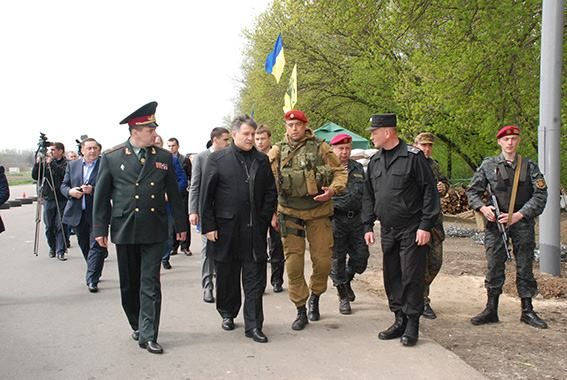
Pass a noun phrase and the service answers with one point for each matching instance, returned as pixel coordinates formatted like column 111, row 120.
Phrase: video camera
column 79, row 141
column 42, row 144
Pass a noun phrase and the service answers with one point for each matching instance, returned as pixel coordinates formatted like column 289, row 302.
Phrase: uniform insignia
column 153, row 150
column 122, row 167
column 161, row 165
column 127, row 151
column 540, row 183
column 358, row 175
column 413, row 149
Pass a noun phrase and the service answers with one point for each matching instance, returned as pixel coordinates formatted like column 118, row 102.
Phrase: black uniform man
column 348, row 231
column 136, row 176
column 400, row 192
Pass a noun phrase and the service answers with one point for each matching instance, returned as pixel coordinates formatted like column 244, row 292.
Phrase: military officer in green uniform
column 518, row 215
column 137, row 177
column 308, row 174
column 424, row 141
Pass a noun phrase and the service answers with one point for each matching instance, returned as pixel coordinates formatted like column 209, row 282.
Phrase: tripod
column 42, row 180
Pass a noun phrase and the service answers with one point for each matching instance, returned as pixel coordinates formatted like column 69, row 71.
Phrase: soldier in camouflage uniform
column 308, row 175
column 424, row 141
column 348, row 231
column 499, row 172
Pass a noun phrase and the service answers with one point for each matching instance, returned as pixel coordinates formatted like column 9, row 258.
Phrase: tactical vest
column 302, row 176
column 503, row 188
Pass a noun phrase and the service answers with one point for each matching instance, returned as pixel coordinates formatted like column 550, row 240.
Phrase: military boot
column 314, row 307
column 397, row 329
column 344, row 304
column 529, row 316
column 351, row 295
column 301, row 320
column 428, row 311
column 490, row 313
column 411, row 334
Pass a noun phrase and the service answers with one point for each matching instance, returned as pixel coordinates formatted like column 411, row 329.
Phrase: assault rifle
column 501, row 227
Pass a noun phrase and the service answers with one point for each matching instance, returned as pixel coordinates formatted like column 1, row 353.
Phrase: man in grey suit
column 78, row 187
column 220, row 139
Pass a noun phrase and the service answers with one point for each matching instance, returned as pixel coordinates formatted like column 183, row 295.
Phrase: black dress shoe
column 208, row 296
column 227, row 324
column 135, row 334
column 187, row 252
column 278, row 288
column 152, row 347
column 52, row 254
column 173, row 253
column 166, row 265
column 428, row 312
column 257, row 335
column 93, row 288
column 61, row 257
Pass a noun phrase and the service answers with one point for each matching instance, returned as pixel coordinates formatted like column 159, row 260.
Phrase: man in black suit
column 136, row 176
column 238, row 203
column 78, row 187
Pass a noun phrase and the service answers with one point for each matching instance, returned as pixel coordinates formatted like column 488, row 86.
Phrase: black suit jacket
column 74, row 178
column 238, row 203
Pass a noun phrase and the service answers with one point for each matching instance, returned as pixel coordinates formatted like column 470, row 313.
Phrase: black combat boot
column 411, row 334
column 301, row 320
column 529, row 316
column 428, row 311
column 490, row 313
column 397, row 329
column 314, row 307
column 344, row 304
column 351, row 295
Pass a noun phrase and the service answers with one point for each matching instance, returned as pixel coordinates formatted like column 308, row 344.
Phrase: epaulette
column 114, row 149
column 413, row 149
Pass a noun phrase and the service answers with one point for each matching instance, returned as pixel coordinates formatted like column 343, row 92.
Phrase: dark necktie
column 142, row 156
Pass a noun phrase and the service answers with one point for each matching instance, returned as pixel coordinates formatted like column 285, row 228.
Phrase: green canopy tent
column 330, row 130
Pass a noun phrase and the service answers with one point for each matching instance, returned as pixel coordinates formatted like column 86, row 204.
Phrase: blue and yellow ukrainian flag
column 275, row 61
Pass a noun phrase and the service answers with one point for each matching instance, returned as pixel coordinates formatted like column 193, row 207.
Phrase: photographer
column 49, row 171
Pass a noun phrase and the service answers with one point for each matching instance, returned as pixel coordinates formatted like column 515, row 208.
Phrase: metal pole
column 549, row 132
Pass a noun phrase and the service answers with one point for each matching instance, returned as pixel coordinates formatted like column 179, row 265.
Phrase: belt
column 348, row 213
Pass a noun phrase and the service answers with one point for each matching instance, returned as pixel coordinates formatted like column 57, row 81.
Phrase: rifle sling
column 514, row 190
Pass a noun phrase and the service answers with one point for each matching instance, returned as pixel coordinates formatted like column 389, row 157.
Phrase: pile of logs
column 455, row 201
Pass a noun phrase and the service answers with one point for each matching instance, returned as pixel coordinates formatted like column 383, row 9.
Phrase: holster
column 296, row 228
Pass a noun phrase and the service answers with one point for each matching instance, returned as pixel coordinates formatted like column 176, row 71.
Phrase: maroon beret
column 341, row 138
column 507, row 131
column 295, row 115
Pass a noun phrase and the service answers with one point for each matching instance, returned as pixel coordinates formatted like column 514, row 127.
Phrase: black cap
column 382, row 120
column 142, row 117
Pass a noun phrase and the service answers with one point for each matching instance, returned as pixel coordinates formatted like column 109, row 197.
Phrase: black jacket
column 238, row 201
column 402, row 192
column 54, row 174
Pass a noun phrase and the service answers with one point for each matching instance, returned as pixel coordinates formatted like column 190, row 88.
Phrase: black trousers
column 277, row 261
column 229, row 295
column 185, row 244
column 54, row 229
column 140, row 288
column 348, row 236
column 92, row 252
column 404, row 269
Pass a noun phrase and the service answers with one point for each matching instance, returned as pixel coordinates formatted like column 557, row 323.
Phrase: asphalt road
column 51, row 327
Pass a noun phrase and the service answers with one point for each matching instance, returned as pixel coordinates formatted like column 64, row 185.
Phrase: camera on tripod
column 42, row 144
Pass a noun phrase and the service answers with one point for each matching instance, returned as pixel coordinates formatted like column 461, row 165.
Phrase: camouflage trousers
column 319, row 234
column 523, row 242
column 348, row 234
column 434, row 259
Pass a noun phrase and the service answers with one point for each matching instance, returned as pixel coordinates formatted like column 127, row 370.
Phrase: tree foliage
column 458, row 68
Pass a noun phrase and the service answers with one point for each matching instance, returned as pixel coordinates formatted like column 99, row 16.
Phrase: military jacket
column 351, row 199
column 138, row 213
column 306, row 165
column 496, row 171
column 402, row 192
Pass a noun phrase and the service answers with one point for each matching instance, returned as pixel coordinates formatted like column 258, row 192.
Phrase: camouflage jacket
column 532, row 189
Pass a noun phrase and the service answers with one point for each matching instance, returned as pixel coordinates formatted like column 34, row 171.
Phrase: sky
column 70, row 68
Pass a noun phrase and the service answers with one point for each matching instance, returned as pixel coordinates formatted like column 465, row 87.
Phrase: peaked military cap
column 382, row 120
column 142, row 117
